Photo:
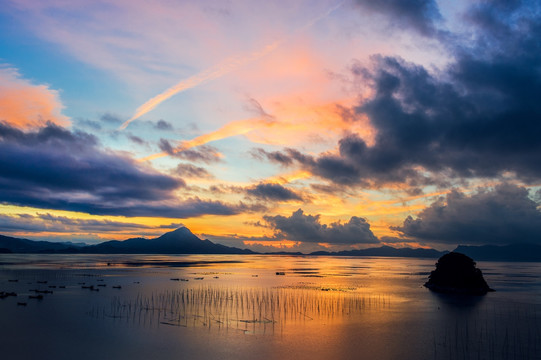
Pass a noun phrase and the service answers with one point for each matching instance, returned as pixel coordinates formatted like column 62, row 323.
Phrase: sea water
column 260, row 306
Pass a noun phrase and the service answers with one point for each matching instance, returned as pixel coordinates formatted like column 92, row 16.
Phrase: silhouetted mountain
column 515, row 252
column 15, row 245
column 182, row 241
column 386, row 251
column 179, row 241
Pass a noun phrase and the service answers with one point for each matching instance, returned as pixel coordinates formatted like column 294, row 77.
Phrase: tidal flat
column 260, row 306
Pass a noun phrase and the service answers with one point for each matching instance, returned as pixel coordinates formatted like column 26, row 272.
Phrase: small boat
column 117, row 287
column 39, row 297
column 21, row 303
column 280, row 273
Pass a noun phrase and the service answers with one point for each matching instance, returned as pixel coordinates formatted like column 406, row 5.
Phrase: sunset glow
column 320, row 125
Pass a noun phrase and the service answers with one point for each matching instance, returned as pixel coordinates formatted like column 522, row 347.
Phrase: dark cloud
column 166, row 146
column 111, row 119
column 480, row 118
column 51, row 223
column 348, row 115
column 54, row 168
column 420, row 15
column 308, row 228
column 273, row 192
column 55, row 159
column 137, row 140
column 504, row 215
column 275, row 156
column 204, row 153
column 180, row 209
column 191, row 171
column 163, row 125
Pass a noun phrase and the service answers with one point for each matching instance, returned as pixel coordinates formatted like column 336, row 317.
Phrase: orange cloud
column 304, row 121
column 25, row 105
column 234, row 128
column 291, row 124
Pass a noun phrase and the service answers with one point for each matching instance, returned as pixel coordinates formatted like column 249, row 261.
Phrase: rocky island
column 457, row 273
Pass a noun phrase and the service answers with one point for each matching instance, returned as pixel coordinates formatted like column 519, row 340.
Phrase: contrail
column 210, row 74
column 238, row 127
column 215, row 72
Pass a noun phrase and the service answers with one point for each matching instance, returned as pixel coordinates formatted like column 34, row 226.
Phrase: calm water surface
column 237, row 307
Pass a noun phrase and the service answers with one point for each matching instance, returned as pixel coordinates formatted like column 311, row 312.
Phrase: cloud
column 203, row 153
column 54, row 168
column 25, row 105
column 136, row 139
column 503, row 215
column 62, row 224
column 419, row 15
column 163, row 125
column 308, row 228
column 111, row 119
column 234, row 128
column 274, row 156
column 192, row 171
column 202, row 77
column 273, row 192
column 479, row 118
column 52, row 161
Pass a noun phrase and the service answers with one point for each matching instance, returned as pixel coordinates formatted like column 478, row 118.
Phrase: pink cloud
column 26, row 105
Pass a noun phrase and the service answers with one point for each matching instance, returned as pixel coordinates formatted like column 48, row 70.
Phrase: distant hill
column 183, row 241
column 387, row 251
column 15, row 245
column 180, row 241
column 515, row 252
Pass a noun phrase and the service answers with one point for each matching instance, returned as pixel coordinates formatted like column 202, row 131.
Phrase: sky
column 303, row 126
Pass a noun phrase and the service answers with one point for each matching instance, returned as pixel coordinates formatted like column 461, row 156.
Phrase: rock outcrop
column 457, row 273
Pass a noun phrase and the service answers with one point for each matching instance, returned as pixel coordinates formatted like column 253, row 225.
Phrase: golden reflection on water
column 253, row 310
column 237, row 307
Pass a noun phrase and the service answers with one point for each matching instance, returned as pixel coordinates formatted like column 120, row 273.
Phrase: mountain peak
column 181, row 230
column 181, row 234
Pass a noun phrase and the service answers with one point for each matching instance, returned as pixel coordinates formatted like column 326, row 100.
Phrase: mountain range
column 183, row 241
column 179, row 241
